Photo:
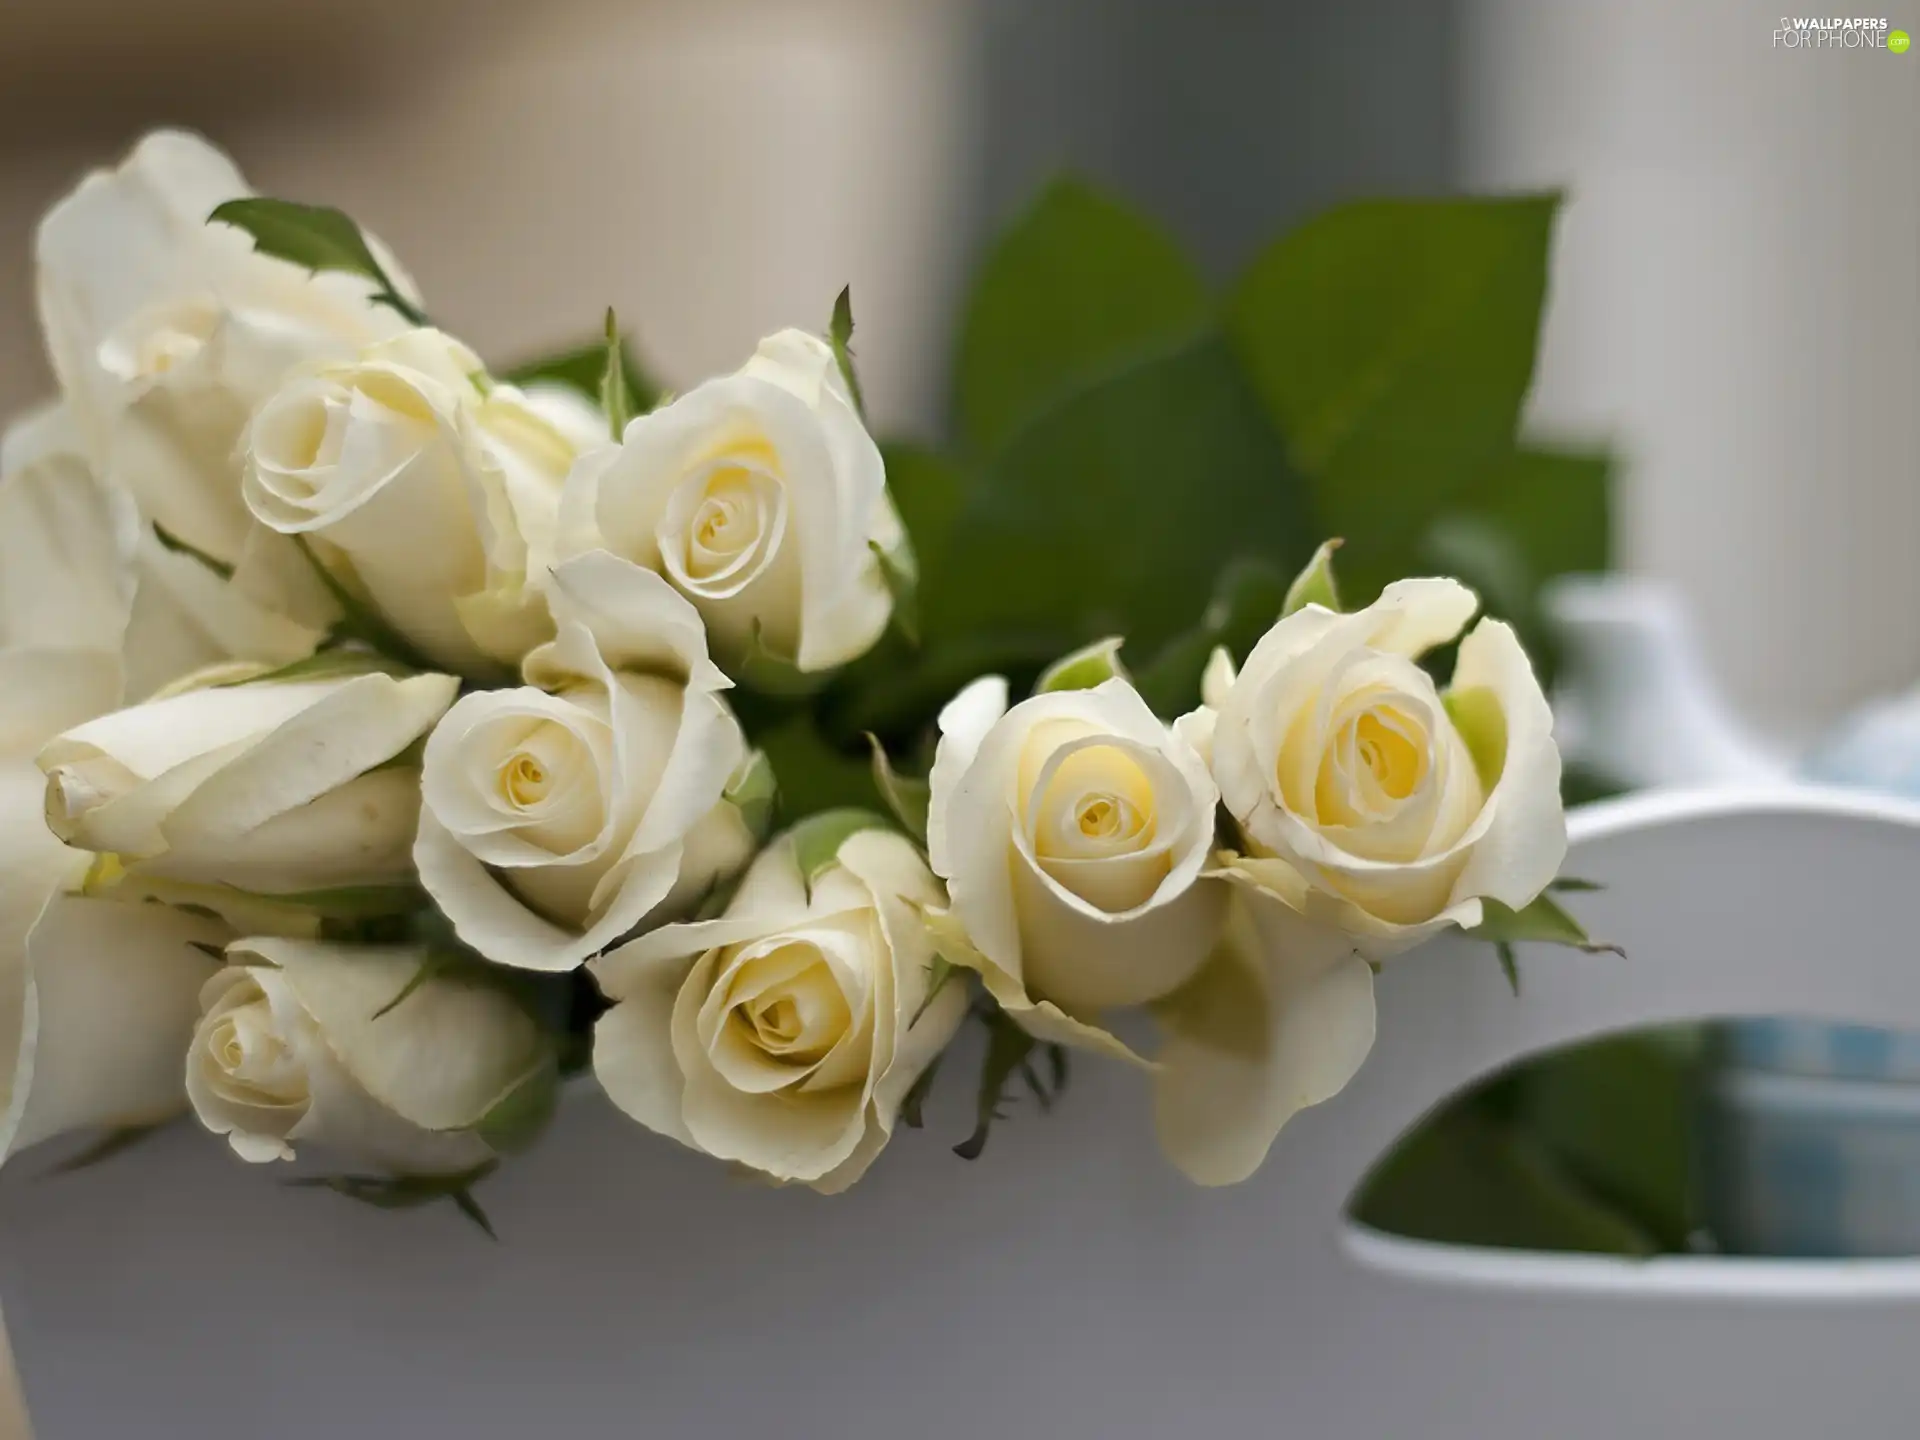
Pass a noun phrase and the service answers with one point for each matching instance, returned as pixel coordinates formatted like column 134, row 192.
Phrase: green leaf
column 906, row 797
column 1080, row 286
column 818, row 838
column 1088, row 667
column 840, row 337
column 1554, row 505
column 1085, row 525
column 928, row 490
column 317, row 237
column 520, row 1116
column 169, row 541
column 109, row 1144
column 1008, row 1047
column 753, row 791
column 1314, row 585
column 345, row 902
column 1470, row 1177
column 1543, row 922
column 616, row 392
column 1245, row 604
column 1393, row 343
column 581, row 370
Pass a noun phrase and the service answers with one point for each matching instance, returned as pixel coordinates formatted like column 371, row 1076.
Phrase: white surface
column 1068, row 1284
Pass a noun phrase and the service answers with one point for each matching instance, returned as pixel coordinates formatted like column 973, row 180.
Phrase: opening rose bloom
column 165, row 332
column 1373, row 812
column 300, row 1043
column 1072, row 831
column 561, row 815
column 762, row 498
column 427, row 491
column 785, row 1034
column 270, row 786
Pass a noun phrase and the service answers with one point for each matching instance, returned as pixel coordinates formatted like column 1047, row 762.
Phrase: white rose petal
column 785, row 1034
column 760, row 496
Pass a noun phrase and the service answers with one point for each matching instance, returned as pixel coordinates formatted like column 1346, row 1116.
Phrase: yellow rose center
column 1098, row 802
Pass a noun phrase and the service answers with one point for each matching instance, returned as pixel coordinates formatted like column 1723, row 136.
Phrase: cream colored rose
column 80, row 573
column 761, row 497
column 1366, row 799
column 165, row 331
column 785, row 1034
column 272, row 786
column 561, row 815
column 296, row 1046
column 424, row 488
column 1072, row 831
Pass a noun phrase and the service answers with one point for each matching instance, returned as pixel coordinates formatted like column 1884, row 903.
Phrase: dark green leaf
column 1095, row 521
column 1393, row 343
column 902, row 576
column 1573, row 885
column 840, row 337
column 1079, row 287
column 169, row 541
column 1555, row 505
column 616, row 391
column 317, row 237
column 928, row 490
column 581, row 370
column 464, row 1202
column 1007, row 1049
column 814, row 775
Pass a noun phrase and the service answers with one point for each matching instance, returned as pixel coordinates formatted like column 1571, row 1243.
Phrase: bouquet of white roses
column 388, row 738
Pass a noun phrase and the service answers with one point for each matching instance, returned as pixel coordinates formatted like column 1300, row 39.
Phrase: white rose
column 1373, row 811
column 429, row 492
column 1369, row 801
column 165, row 331
column 296, row 1045
column 273, row 786
column 561, row 815
column 785, row 1034
column 761, row 496
column 79, row 573
column 1072, row 831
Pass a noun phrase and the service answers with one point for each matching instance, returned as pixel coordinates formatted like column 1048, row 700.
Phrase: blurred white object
column 1635, row 700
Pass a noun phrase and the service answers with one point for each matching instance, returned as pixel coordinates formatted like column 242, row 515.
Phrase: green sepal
column 840, row 337
column 1543, row 922
column 409, row 1192
column 817, row 839
column 520, row 1117
column 754, row 791
column 906, row 797
column 1085, row 668
column 616, row 392
column 1315, row 585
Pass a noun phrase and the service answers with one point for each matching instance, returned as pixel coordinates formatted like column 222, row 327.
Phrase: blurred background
column 1736, row 302
column 1736, row 289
